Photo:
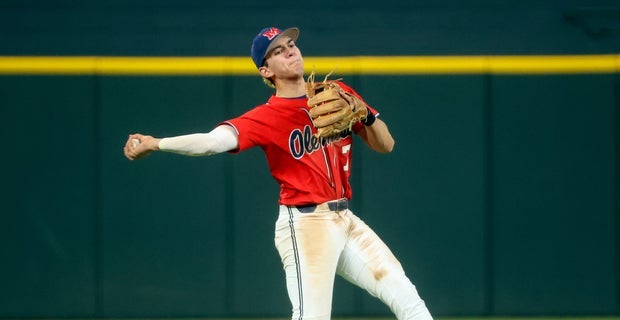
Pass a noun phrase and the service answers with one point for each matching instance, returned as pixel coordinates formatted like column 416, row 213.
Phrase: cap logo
column 271, row 33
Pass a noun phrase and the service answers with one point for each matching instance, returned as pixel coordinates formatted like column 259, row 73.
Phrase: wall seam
column 617, row 186
column 97, row 202
column 488, row 215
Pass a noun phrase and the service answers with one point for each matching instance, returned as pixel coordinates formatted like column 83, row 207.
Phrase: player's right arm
column 221, row 139
column 378, row 137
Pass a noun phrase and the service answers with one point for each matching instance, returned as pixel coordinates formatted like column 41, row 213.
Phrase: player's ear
column 265, row 72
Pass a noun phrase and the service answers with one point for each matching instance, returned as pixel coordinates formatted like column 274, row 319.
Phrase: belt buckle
column 338, row 205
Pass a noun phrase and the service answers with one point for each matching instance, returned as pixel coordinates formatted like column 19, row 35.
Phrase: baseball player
column 316, row 233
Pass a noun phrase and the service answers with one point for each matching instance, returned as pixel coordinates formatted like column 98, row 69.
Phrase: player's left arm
column 377, row 136
column 374, row 132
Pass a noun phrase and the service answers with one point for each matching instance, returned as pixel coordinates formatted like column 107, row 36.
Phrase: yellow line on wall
column 376, row 65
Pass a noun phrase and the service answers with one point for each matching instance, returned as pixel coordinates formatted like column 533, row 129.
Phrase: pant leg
column 368, row 263
column 309, row 245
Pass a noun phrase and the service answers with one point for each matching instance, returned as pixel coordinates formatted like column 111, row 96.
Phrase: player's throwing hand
column 139, row 146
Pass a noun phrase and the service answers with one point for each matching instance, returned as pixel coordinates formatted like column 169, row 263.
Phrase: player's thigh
column 366, row 259
column 309, row 246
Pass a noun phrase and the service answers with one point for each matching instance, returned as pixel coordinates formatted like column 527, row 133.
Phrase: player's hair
column 268, row 81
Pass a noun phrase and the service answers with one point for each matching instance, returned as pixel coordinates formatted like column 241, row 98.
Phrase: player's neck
column 291, row 88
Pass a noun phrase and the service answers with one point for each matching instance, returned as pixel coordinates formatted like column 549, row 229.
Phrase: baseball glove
column 332, row 109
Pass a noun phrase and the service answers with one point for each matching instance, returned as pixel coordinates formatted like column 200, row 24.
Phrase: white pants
column 316, row 246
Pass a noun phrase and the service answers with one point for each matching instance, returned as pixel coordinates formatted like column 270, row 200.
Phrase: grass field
column 367, row 318
column 378, row 318
column 529, row 318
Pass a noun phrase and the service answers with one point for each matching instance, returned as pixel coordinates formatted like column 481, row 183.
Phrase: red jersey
column 309, row 169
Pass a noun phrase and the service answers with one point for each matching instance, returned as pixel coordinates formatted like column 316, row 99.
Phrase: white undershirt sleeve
column 221, row 139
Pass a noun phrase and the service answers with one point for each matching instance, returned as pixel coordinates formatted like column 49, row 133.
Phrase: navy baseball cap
column 262, row 43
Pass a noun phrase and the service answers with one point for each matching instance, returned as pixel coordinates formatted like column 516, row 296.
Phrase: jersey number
column 346, row 149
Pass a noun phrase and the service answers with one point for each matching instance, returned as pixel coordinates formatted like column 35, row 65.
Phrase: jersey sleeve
column 250, row 129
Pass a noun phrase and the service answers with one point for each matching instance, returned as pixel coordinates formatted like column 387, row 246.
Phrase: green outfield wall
column 501, row 197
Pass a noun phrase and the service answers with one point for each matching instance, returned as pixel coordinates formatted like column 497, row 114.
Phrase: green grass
column 531, row 318
column 363, row 318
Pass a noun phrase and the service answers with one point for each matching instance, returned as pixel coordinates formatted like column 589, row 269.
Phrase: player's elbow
column 385, row 146
column 388, row 146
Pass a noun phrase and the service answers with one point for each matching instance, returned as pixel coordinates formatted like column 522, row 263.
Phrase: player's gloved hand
column 139, row 146
column 332, row 109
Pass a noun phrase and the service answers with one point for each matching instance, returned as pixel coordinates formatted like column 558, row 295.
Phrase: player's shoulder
column 268, row 107
column 348, row 88
column 344, row 86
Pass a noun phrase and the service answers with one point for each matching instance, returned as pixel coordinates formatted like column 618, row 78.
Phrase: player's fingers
column 133, row 141
column 136, row 136
column 128, row 143
column 127, row 146
column 129, row 149
column 129, row 154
